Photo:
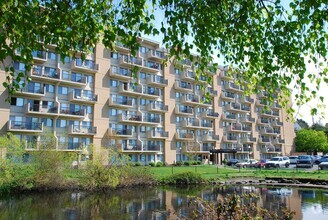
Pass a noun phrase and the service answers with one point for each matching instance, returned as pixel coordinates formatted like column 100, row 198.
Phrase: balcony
column 268, row 149
column 265, row 140
column 121, row 74
column 227, row 117
column 206, row 125
column 73, row 79
column 157, row 134
column 22, row 126
column 225, row 75
column 129, row 118
column 44, row 75
column 184, row 136
column 209, row 114
column 247, row 140
column 278, row 141
column 263, row 121
column 82, row 130
column 210, row 137
column 155, row 107
column 211, row 92
column 188, row 75
column 39, row 56
column 129, row 62
column 247, row 119
column 119, row 132
column 121, row 47
column 156, row 55
column 154, row 80
column 38, row 109
column 183, row 111
column 205, row 103
column 233, row 87
column 267, row 131
column 185, row 63
column 190, row 124
column 260, row 102
column 72, row 113
column 120, row 102
column 233, row 107
column 246, row 100
column 85, row 66
column 231, row 139
column 70, row 146
column 192, row 99
column 151, row 67
column 83, row 97
column 227, row 96
column 140, row 147
column 267, row 113
column 276, row 123
column 130, row 90
column 185, row 87
column 32, row 92
column 276, row 106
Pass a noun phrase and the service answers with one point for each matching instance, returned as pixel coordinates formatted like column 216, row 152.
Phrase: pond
column 154, row 202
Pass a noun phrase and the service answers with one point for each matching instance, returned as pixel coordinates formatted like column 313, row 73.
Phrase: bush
column 194, row 162
column 178, row 163
column 137, row 164
column 199, row 162
column 186, row 163
column 186, row 178
column 159, row 164
column 152, row 164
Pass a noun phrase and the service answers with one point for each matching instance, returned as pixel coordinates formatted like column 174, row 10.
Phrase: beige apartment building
column 159, row 113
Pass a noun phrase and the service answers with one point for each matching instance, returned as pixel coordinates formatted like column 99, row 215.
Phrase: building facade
column 148, row 109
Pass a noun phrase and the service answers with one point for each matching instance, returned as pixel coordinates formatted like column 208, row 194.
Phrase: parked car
column 262, row 163
column 232, row 162
column 278, row 162
column 247, row 163
column 323, row 165
column 305, row 161
column 293, row 159
column 316, row 159
column 322, row 159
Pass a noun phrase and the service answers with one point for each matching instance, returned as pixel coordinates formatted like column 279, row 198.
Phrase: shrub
column 152, row 164
column 178, row 163
column 194, row 162
column 159, row 164
column 137, row 164
column 186, row 178
column 186, row 163
column 199, row 162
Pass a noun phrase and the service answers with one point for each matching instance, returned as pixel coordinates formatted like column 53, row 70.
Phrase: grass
column 223, row 173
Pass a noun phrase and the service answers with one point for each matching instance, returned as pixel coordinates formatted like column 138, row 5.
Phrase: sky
column 302, row 112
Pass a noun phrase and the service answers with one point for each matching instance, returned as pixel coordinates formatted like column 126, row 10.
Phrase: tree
column 311, row 141
column 269, row 41
column 302, row 123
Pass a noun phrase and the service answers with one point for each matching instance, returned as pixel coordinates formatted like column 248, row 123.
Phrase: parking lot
column 291, row 167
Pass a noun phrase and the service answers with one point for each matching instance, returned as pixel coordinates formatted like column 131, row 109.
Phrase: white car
column 293, row 159
column 247, row 163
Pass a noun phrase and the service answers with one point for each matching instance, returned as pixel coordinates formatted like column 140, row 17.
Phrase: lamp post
column 249, row 151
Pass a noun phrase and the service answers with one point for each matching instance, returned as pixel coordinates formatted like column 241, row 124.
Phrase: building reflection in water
column 155, row 203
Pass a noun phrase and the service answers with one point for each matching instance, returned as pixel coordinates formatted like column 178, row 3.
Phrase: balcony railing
column 88, row 65
column 183, row 86
column 40, row 109
column 25, row 126
column 126, row 132
column 120, row 102
column 157, row 134
column 72, row 112
column 87, row 130
column 157, row 107
column 157, row 80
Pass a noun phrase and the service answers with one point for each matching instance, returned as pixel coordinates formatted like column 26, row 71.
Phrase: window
column 67, row 59
column 142, row 101
column 143, row 49
column 62, row 90
column 90, row 79
column 88, row 109
column 114, row 55
column 65, row 75
column 143, row 75
column 112, row 112
column 49, row 88
column 52, row 56
column 142, row 129
column 19, row 66
column 60, row 123
column 19, row 102
column 47, row 122
column 113, row 83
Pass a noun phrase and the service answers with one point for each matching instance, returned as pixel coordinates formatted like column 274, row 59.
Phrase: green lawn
column 223, row 173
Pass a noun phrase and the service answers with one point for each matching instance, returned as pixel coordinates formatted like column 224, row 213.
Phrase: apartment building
column 148, row 109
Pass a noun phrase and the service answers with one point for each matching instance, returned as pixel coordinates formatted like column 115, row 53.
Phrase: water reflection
column 155, row 203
